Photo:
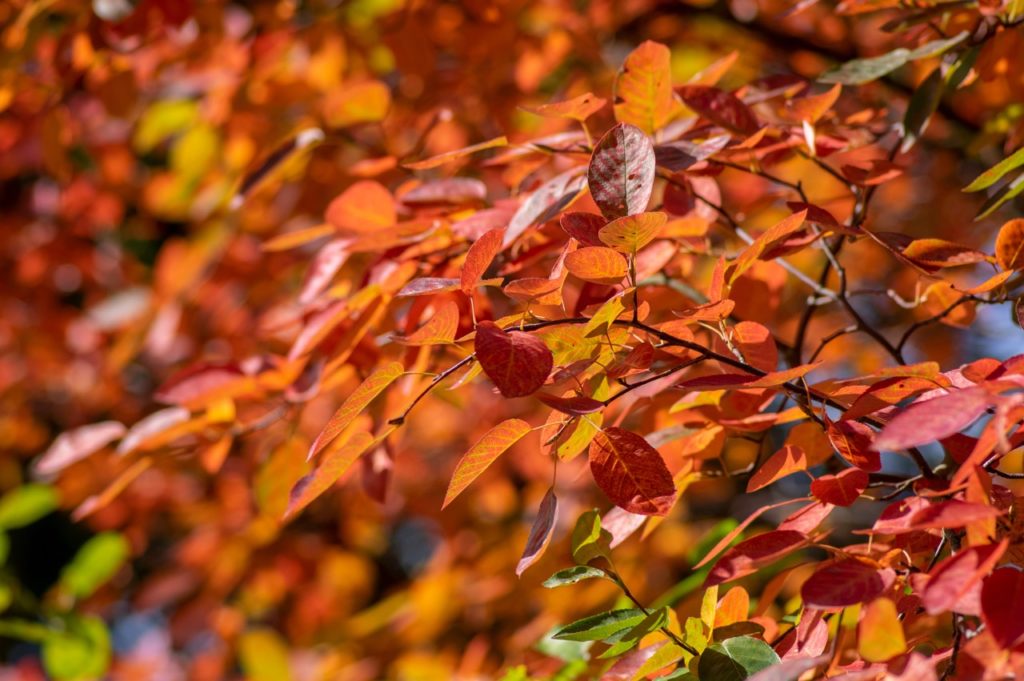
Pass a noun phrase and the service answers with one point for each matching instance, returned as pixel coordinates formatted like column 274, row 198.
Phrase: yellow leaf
column 360, row 103
column 643, row 89
column 880, row 633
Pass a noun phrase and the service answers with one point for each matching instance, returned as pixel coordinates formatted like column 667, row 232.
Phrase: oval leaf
column 631, row 472
column 517, row 362
column 621, row 172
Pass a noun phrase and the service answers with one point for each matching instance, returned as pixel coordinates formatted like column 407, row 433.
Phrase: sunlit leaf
column 483, row 453
column 621, row 172
column 631, row 472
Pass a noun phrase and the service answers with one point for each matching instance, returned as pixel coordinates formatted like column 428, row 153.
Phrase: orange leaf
column 752, row 252
column 483, row 453
column 643, row 89
column 374, row 384
column 454, row 155
column 787, row 460
column 631, row 233
column 440, row 329
column 597, row 264
column 1010, row 245
column 338, row 460
column 841, row 489
column 880, row 632
column 578, row 108
column 365, row 207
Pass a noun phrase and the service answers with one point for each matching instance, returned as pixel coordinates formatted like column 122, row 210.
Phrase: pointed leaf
column 844, row 583
column 479, row 258
column 933, row 419
column 360, row 398
column 540, row 533
column 75, row 445
column 438, row 330
column 337, row 461
column 483, row 453
column 880, row 632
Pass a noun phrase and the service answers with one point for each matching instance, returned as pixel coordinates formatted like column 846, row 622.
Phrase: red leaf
column 842, row 489
column 1002, row 602
column 807, row 518
column 482, row 454
column 517, row 362
column 751, row 554
column 358, row 400
column 951, row 513
column 479, row 258
column 933, row 419
column 75, row 445
column 583, row 227
column 955, row 583
column 846, row 582
column 852, row 440
column 621, row 172
column 719, row 107
column 724, row 542
column 631, row 472
column 540, row 533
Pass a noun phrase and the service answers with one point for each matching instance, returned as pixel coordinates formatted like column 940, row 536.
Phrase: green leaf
column 589, row 539
column 263, row 656
column 632, row 636
column 96, row 562
column 996, row 172
column 567, row 651
column 937, row 47
column 860, row 71
column 572, row 575
column 736, row 659
column 682, row 674
column 23, row 630
column 923, row 104
column 80, row 652
column 1005, row 193
column 26, row 504
column 602, row 626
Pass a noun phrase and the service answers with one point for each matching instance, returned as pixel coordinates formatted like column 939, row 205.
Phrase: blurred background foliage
column 125, row 130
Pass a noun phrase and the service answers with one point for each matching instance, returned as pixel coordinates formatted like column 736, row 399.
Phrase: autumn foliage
column 403, row 339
